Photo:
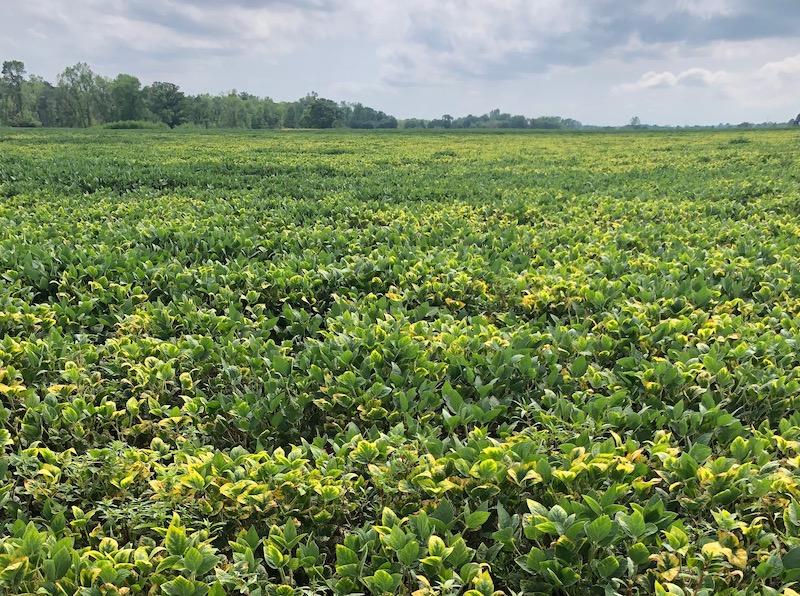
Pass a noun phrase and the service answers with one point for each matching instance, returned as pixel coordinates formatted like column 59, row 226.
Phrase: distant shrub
column 191, row 126
column 135, row 124
column 25, row 121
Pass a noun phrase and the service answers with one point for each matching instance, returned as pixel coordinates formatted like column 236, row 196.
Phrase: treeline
column 80, row 98
column 494, row 119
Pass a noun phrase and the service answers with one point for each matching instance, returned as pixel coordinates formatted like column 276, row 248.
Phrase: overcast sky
column 599, row 61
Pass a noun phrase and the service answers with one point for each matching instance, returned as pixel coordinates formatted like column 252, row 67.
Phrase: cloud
column 434, row 42
column 420, row 42
column 36, row 33
column 444, row 41
column 707, row 9
column 155, row 27
column 777, row 71
column 772, row 84
column 488, row 50
column 689, row 77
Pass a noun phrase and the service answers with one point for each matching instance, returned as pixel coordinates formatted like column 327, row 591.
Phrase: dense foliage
column 440, row 364
column 81, row 99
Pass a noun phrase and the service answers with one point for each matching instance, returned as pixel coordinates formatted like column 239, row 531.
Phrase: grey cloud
column 171, row 17
column 323, row 5
column 467, row 51
column 779, row 18
column 430, row 37
column 608, row 28
column 120, row 52
column 502, row 40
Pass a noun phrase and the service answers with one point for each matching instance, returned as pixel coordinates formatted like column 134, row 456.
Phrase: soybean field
column 428, row 363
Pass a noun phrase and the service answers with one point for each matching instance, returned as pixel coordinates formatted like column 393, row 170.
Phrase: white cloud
column 666, row 79
column 773, row 84
column 778, row 71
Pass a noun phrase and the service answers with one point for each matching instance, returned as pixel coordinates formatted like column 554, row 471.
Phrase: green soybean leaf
column 476, row 519
column 597, row 530
column 579, row 367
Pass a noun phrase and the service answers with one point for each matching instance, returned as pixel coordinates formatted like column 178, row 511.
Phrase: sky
column 670, row 62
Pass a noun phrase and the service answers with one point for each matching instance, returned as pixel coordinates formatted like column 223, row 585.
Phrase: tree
column 76, row 84
column 270, row 115
column 44, row 101
column 635, row 121
column 357, row 115
column 13, row 78
column 234, row 111
column 388, row 122
column 797, row 120
column 548, row 122
column 414, row 123
column 322, row 114
column 446, row 121
column 101, row 100
column 466, row 121
column 126, row 93
column 167, row 102
column 518, row 122
column 318, row 112
column 200, row 110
